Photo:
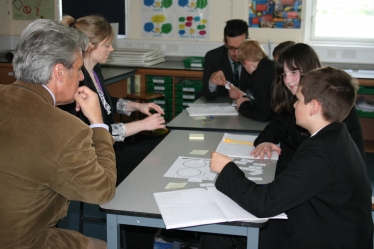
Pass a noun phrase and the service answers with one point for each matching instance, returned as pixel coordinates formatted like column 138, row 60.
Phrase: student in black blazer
column 255, row 103
column 219, row 62
column 325, row 190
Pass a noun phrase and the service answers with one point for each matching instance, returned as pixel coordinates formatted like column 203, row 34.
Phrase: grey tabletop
column 134, row 196
column 223, row 123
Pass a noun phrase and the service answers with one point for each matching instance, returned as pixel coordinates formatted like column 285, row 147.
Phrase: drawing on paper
column 191, row 167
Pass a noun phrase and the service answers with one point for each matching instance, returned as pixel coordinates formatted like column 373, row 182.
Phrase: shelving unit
column 166, row 80
column 367, row 123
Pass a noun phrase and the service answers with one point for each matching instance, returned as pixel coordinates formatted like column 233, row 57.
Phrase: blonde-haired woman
column 101, row 35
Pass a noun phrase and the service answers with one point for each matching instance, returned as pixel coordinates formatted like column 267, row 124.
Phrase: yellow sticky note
column 196, row 136
column 199, row 152
column 172, row 185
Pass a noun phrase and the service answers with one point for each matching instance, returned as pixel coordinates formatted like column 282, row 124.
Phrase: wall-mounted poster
column 275, row 14
column 33, row 9
column 184, row 19
column 158, row 25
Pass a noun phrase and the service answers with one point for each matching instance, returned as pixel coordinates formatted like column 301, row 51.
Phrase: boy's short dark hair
column 282, row 47
column 333, row 88
column 235, row 28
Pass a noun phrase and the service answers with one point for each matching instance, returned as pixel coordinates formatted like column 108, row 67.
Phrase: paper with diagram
column 191, row 167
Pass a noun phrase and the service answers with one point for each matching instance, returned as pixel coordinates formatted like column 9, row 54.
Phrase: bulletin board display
column 281, row 14
column 32, row 9
column 183, row 19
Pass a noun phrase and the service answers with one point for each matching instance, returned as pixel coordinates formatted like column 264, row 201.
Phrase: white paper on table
column 198, row 206
column 212, row 110
column 240, row 150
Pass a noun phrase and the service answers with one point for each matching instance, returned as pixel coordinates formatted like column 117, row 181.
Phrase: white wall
column 220, row 12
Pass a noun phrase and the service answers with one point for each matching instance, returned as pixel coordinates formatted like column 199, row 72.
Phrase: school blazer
column 215, row 60
column 325, row 192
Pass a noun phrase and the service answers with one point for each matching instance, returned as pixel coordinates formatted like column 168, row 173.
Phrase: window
column 114, row 11
column 341, row 22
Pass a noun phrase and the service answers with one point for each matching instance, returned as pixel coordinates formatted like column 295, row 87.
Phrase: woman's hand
column 143, row 107
column 265, row 149
column 153, row 122
column 218, row 161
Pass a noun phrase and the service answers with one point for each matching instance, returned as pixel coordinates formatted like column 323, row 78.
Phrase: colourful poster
column 33, row 9
column 158, row 25
column 158, row 6
column 192, row 26
column 192, row 5
column 275, row 14
column 184, row 19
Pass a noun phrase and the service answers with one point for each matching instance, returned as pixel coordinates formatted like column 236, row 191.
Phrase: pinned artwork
column 275, row 14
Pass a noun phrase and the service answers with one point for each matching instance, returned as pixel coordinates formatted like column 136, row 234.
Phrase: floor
column 130, row 154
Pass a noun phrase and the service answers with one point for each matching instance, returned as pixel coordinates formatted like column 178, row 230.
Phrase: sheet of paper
column 212, row 110
column 198, row 206
column 190, row 207
column 191, row 167
column 240, row 150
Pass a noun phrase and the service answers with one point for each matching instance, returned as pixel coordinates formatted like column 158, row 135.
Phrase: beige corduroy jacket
column 47, row 158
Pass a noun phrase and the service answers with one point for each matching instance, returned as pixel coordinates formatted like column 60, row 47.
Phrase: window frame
column 309, row 30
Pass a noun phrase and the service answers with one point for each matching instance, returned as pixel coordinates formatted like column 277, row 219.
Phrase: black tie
column 236, row 74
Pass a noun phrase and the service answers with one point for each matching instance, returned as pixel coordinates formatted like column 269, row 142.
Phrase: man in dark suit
column 325, row 190
column 222, row 64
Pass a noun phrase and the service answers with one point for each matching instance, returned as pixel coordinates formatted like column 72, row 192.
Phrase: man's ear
column 58, row 71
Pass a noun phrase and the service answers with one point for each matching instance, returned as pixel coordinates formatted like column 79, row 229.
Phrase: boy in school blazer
column 325, row 190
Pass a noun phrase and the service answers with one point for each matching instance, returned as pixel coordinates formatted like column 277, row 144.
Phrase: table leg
column 113, row 231
column 252, row 238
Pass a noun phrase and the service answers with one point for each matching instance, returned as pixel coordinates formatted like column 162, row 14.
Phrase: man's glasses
column 232, row 49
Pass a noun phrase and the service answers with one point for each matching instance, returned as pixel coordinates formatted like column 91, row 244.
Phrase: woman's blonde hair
column 95, row 27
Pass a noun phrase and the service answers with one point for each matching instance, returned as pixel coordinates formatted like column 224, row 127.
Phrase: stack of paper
column 199, row 206
column 135, row 57
column 241, row 146
column 214, row 109
column 365, row 105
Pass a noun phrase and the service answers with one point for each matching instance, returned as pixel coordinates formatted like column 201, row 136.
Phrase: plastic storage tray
column 366, row 90
column 159, row 79
column 159, row 87
column 194, row 62
column 189, row 86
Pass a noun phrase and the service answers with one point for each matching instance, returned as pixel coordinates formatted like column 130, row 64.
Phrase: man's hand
column 218, row 78
column 87, row 101
column 218, row 161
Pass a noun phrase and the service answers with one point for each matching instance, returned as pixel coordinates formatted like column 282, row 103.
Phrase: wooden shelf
column 144, row 96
